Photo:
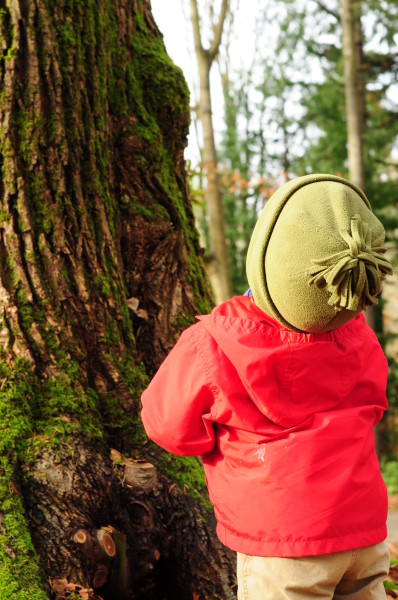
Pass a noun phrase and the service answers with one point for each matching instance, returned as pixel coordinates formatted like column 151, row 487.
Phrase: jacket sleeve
column 178, row 403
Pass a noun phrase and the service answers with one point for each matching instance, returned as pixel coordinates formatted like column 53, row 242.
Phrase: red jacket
column 284, row 422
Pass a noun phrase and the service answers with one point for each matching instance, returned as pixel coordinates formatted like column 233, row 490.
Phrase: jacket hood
column 289, row 375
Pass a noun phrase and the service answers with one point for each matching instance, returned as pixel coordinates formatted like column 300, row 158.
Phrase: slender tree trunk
column 218, row 264
column 355, row 99
column 354, row 88
column 355, row 108
column 100, row 269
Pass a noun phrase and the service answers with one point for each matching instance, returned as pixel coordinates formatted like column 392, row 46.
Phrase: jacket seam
column 286, row 384
column 287, row 336
column 213, row 389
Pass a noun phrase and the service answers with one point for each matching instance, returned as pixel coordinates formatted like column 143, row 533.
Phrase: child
column 280, row 393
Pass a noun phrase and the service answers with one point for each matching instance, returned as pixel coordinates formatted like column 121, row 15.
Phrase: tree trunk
column 100, row 270
column 354, row 88
column 218, row 267
column 355, row 111
column 355, row 99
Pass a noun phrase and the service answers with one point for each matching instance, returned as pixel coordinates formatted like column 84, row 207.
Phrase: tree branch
column 387, row 163
column 328, row 10
column 195, row 20
column 217, row 31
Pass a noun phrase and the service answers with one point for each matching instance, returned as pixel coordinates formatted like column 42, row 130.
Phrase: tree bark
column 218, row 267
column 355, row 111
column 354, row 88
column 355, row 99
column 100, row 269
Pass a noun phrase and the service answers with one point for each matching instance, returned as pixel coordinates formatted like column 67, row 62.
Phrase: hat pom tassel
column 354, row 276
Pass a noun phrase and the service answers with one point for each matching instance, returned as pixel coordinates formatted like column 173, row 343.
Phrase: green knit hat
column 315, row 259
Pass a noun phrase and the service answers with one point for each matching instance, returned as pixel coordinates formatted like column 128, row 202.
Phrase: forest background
column 279, row 111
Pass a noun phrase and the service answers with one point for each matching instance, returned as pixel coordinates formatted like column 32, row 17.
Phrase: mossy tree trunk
column 99, row 270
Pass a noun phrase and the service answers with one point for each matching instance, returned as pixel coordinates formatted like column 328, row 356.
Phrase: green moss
column 6, row 27
column 124, row 428
column 15, row 414
column 7, row 155
column 184, row 320
column 38, row 413
column 23, row 126
column 149, row 85
column 111, row 335
column 188, row 473
column 65, row 414
column 52, row 133
column 150, row 63
column 103, row 284
column 63, row 398
column 67, row 35
column 158, row 95
column 153, row 214
column 33, row 415
column 8, row 273
column 7, row 34
column 134, row 375
column 19, row 570
column 25, row 310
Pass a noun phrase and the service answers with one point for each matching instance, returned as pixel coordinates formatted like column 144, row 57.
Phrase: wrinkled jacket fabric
column 284, row 422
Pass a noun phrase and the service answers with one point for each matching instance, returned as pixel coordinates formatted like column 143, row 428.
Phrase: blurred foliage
column 284, row 115
column 389, row 469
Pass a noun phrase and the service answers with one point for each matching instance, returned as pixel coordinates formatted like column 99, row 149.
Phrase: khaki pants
column 352, row 575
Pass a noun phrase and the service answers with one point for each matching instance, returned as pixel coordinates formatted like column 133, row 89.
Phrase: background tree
column 240, row 197
column 355, row 101
column 259, row 136
column 354, row 88
column 218, row 266
column 296, row 103
column 100, row 269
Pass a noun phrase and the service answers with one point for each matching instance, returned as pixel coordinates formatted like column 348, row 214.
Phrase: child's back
column 280, row 394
